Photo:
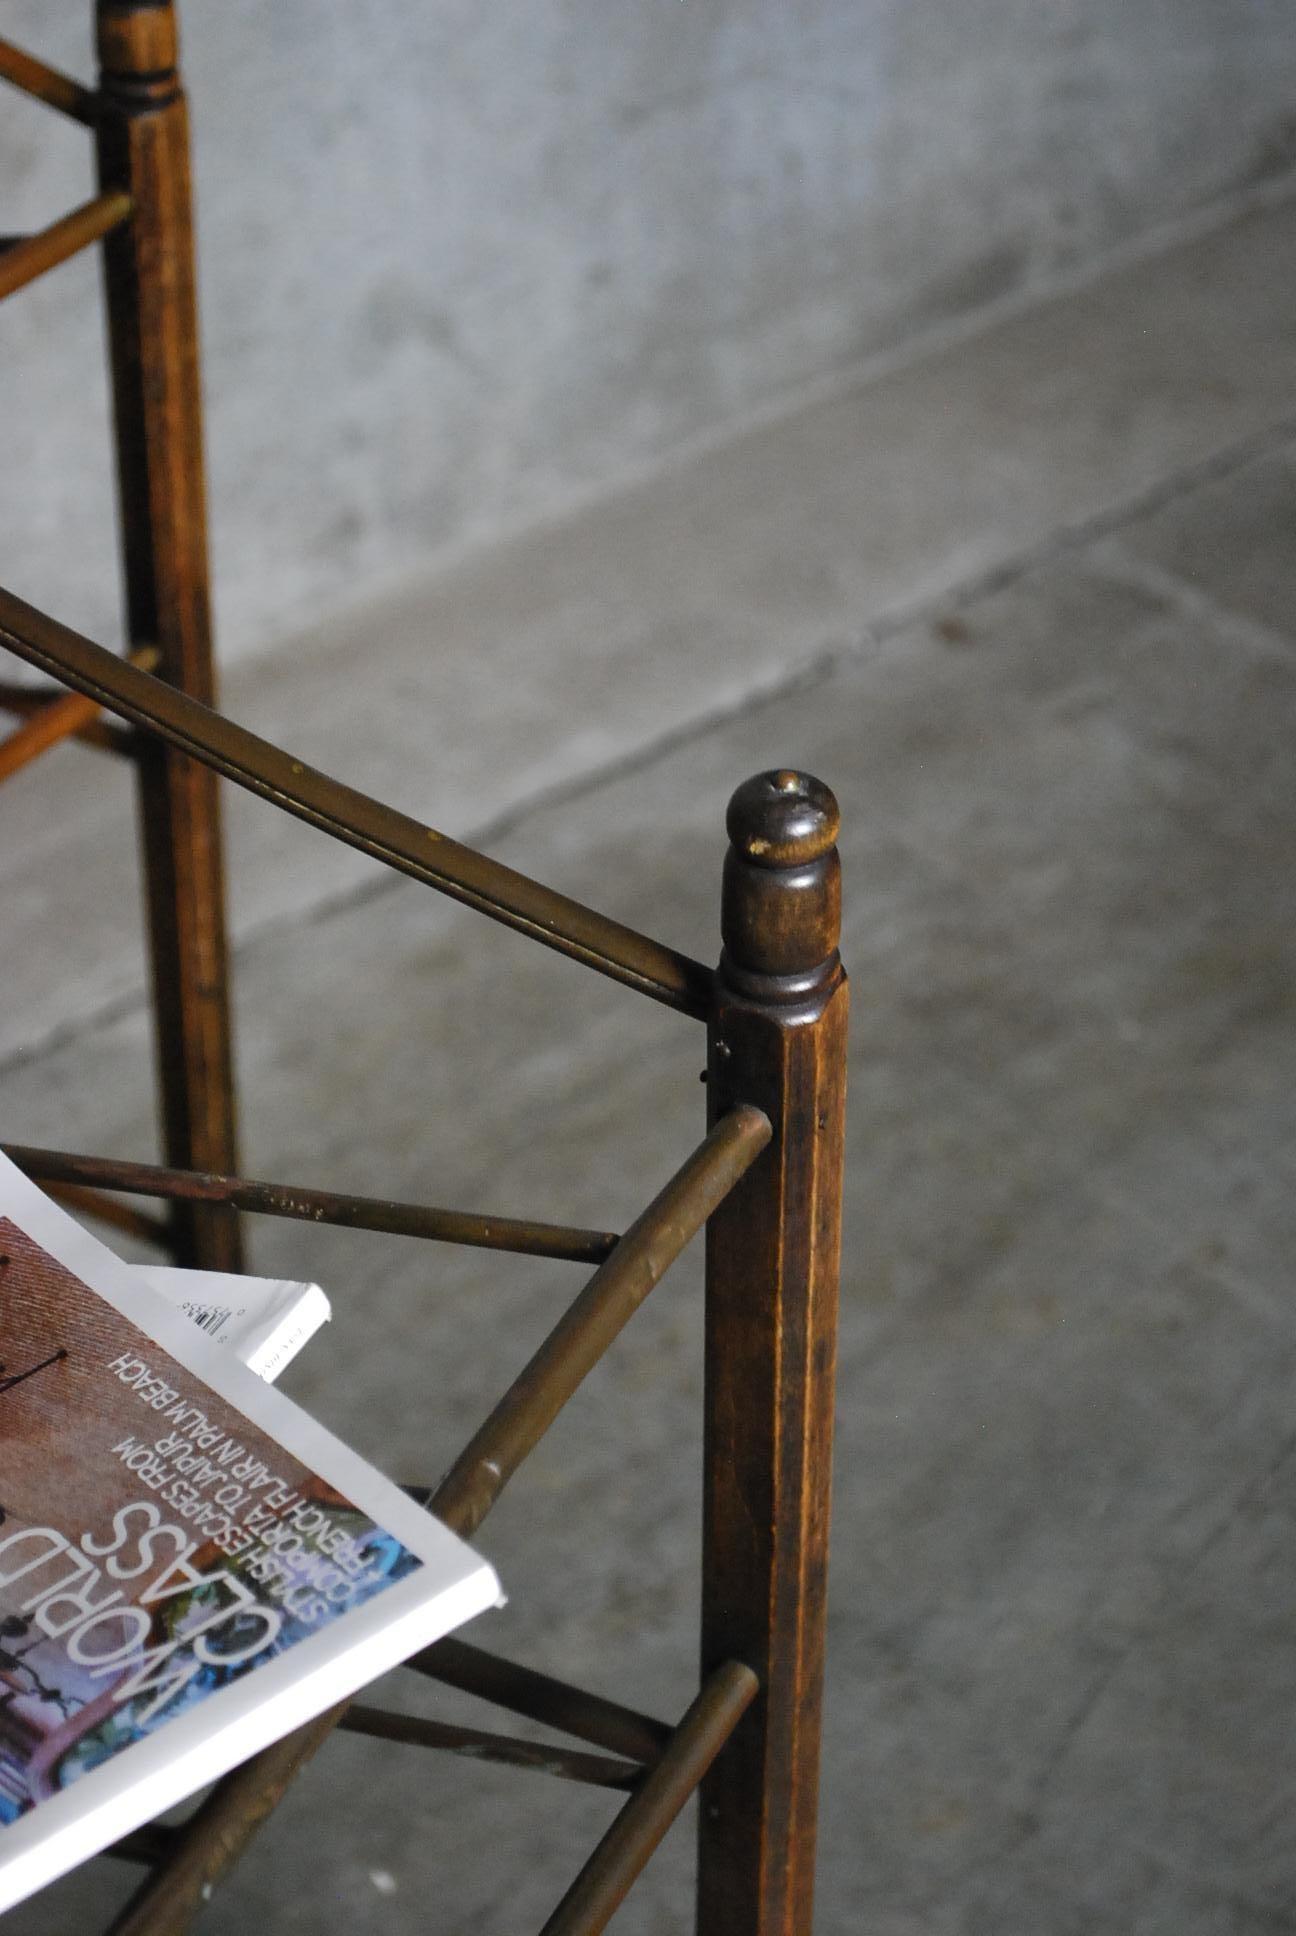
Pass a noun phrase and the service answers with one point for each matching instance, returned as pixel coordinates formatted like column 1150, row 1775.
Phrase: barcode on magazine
column 208, row 1317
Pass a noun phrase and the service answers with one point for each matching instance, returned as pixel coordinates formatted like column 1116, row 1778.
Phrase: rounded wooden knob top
column 137, row 37
column 783, row 819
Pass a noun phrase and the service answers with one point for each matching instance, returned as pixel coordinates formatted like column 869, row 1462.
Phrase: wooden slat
column 24, row 260
column 407, row 845
column 584, row 1332
column 218, row 1832
column 605, row 1881
column 524, row 1238
column 150, row 283
column 778, row 1043
column 47, row 85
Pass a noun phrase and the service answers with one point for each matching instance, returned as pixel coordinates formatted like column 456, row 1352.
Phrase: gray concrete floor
column 1048, row 662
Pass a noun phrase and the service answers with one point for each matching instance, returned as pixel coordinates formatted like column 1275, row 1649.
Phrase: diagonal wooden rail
column 220, row 1829
column 394, row 838
column 47, row 85
column 33, row 255
column 582, row 1335
column 605, row 1881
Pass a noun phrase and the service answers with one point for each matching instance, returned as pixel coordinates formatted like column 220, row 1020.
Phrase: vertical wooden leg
column 143, row 147
column 777, row 1039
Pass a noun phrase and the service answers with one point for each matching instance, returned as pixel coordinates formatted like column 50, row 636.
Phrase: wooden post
column 778, row 1040
column 143, row 144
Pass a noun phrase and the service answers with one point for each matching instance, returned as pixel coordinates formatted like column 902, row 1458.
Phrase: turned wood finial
column 781, row 909
column 137, row 41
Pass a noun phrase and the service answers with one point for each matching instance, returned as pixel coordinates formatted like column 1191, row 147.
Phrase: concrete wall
column 465, row 262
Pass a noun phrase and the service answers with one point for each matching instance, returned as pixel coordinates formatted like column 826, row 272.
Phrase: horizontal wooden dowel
column 478, row 1744
column 47, row 85
column 407, row 845
column 476, row 1230
column 605, row 1881
column 23, row 261
column 555, row 1704
column 587, row 1328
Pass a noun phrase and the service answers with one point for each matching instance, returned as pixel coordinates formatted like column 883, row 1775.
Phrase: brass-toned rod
column 521, row 1690
column 597, row 1771
column 482, row 1232
column 220, row 1829
column 588, row 1327
column 408, row 846
column 46, row 84
column 23, row 261
column 606, row 1880
column 217, row 1832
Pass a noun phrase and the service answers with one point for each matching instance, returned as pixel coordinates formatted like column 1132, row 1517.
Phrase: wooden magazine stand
column 765, row 1180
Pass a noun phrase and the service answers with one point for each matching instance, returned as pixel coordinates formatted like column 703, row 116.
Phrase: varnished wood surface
column 410, row 846
column 35, row 255
column 605, row 1881
column 777, row 1039
column 769, row 1174
column 92, row 1174
column 221, row 1827
column 46, row 84
column 581, row 1337
column 143, row 152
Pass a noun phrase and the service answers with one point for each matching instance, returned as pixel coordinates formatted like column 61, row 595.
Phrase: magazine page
column 190, row 1566
column 266, row 1320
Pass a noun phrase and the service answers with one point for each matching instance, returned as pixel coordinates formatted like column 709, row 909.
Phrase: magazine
column 266, row 1320
column 190, row 1566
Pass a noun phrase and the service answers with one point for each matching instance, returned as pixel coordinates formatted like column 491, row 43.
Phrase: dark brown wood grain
column 143, row 146
column 769, row 1176
column 777, row 1040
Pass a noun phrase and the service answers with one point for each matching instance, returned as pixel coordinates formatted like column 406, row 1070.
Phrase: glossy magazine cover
column 189, row 1566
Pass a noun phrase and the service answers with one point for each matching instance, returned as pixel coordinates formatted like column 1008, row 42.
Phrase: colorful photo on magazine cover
column 155, row 1544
